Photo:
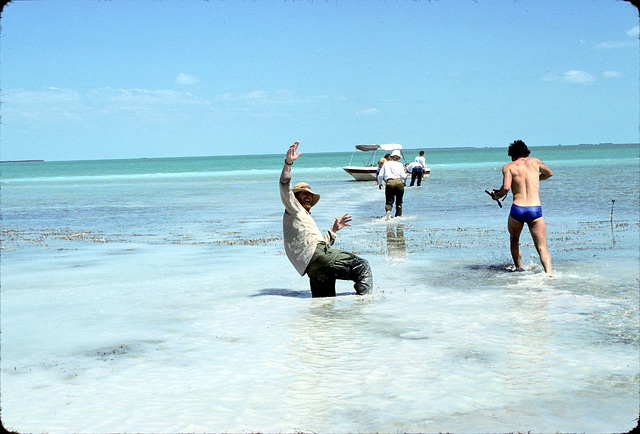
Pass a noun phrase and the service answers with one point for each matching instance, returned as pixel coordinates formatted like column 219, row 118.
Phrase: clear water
column 155, row 296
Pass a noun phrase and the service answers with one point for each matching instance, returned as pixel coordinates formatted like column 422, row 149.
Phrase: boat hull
column 368, row 173
column 362, row 173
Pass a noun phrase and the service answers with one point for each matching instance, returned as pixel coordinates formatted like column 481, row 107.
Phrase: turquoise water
column 154, row 295
column 35, row 171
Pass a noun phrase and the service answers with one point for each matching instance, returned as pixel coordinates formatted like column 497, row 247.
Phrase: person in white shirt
column 417, row 169
column 308, row 250
column 393, row 174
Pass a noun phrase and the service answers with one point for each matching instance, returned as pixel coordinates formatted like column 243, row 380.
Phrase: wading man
column 417, row 168
column 393, row 174
column 308, row 250
column 523, row 176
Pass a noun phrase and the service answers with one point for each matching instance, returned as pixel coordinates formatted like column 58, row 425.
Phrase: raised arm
column 289, row 158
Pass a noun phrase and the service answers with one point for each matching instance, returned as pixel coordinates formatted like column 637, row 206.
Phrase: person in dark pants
column 308, row 250
column 417, row 172
column 417, row 169
column 328, row 264
column 394, row 174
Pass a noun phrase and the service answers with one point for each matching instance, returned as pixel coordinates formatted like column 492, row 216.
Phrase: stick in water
column 612, row 202
column 497, row 200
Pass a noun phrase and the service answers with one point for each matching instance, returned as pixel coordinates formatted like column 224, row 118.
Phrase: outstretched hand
column 292, row 155
column 495, row 195
column 341, row 222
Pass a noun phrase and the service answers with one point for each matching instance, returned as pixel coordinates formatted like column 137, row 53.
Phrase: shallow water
column 164, row 302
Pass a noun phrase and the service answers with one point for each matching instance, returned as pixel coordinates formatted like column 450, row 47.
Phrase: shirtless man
column 523, row 176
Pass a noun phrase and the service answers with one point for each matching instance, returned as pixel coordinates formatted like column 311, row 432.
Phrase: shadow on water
column 282, row 293
column 505, row 268
column 290, row 293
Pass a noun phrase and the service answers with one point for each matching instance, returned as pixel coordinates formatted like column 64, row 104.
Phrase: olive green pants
column 394, row 191
column 328, row 264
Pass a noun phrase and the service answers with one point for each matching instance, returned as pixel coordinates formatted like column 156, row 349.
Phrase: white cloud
column 633, row 32
column 574, row 77
column 187, row 79
column 612, row 45
column 257, row 96
column 141, row 98
column 612, row 74
column 282, row 96
column 579, row 77
column 549, row 76
column 50, row 95
column 51, row 103
column 367, row 112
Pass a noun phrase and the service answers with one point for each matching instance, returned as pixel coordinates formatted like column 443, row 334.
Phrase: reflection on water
column 332, row 359
column 396, row 244
column 527, row 362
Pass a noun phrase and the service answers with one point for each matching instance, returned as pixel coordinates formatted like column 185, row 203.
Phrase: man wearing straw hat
column 308, row 250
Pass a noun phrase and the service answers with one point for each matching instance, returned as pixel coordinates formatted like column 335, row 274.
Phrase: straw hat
column 303, row 186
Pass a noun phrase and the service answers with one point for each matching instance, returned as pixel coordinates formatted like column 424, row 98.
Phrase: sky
column 100, row 79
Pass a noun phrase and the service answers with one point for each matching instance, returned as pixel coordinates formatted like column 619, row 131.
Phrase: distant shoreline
column 23, row 161
column 425, row 148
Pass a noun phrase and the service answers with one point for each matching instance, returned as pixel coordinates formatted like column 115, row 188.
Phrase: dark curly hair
column 518, row 149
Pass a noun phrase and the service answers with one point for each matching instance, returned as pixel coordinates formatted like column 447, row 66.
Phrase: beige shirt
column 301, row 234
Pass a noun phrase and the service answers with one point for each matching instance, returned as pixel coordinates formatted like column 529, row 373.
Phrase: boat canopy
column 390, row 146
column 367, row 148
column 385, row 147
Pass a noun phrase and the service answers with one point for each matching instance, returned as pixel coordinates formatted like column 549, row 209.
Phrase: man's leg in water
column 351, row 267
column 399, row 196
column 538, row 229
column 330, row 264
column 515, row 229
column 322, row 285
column 389, row 198
column 321, row 279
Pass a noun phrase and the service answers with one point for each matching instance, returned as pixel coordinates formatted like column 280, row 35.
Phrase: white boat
column 367, row 171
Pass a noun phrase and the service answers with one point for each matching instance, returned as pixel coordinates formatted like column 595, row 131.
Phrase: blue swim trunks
column 525, row 214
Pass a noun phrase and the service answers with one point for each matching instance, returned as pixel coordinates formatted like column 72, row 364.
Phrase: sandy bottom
column 150, row 333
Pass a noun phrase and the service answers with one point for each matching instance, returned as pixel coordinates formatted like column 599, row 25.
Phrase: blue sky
column 91, row 79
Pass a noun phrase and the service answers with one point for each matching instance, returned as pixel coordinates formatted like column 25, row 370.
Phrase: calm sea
column 154, row 295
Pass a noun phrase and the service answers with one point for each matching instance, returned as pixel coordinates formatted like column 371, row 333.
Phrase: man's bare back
column 523, row 177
